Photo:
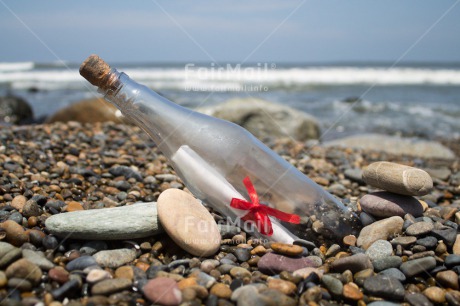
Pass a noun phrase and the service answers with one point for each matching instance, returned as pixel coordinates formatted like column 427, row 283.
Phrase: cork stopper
column 96, row 71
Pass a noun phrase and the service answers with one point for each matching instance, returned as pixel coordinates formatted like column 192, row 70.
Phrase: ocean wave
column 23, row 75
column 19, row 66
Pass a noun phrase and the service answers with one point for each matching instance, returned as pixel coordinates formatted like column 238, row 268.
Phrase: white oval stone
column 188, row 222
column 398, row 178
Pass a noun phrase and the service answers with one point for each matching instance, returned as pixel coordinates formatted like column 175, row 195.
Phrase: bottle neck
column 153, row 113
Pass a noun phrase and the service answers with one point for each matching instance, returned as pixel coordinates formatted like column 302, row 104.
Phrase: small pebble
column 354, row 263
column 286, row 249
column 221, row 290
column 283, row 286
column 110, row 286
column 379, row 249
column 435, row 295
column 413, row 267
column 115, row 258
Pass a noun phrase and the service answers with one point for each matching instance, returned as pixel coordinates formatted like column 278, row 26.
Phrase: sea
column 410, row 99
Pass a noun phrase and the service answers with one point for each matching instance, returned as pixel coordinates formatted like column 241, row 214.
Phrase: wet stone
column 333, row 285
column 37, row 258
column 162, row 291
column 452, row 260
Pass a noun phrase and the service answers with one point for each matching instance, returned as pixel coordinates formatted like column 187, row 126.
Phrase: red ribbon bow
column 259, row 213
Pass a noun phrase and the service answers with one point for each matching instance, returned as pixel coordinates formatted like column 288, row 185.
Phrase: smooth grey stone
column 5, row 247
column 379, row 249
column 354, row 263
column 384, row 286
column 448, row 235
column 38, row 258
column 385, row 204
column 81, row 263
column 416, row 266
column 452, row 260
column 242, row 254
column 124, row 222
column 395, row 273
column 429, row 242
column 417, row 299
column 115, row 258
column 387, row 263
column 332, row 284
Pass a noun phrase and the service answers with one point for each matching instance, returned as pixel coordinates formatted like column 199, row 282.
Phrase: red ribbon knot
column 258, row 212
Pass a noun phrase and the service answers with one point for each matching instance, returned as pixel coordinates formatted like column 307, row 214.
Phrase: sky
column 231, row 31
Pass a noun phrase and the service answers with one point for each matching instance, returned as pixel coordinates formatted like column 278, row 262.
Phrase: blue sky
column 230, row 31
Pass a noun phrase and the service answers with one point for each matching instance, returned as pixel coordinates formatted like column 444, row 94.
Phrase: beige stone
column 383, row 229
column 188, row 223
column 456, row 246
column 398, row 178
column 283, row 286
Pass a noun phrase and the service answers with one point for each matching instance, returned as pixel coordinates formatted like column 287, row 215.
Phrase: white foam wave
column 21, row 75
column 19, row 66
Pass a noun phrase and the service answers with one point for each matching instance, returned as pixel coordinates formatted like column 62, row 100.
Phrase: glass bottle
column 213, row 156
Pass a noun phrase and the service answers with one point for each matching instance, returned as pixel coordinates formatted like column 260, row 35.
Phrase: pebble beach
column 407, row 252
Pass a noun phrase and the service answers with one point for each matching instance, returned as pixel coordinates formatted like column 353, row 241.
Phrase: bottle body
column 231, row 153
